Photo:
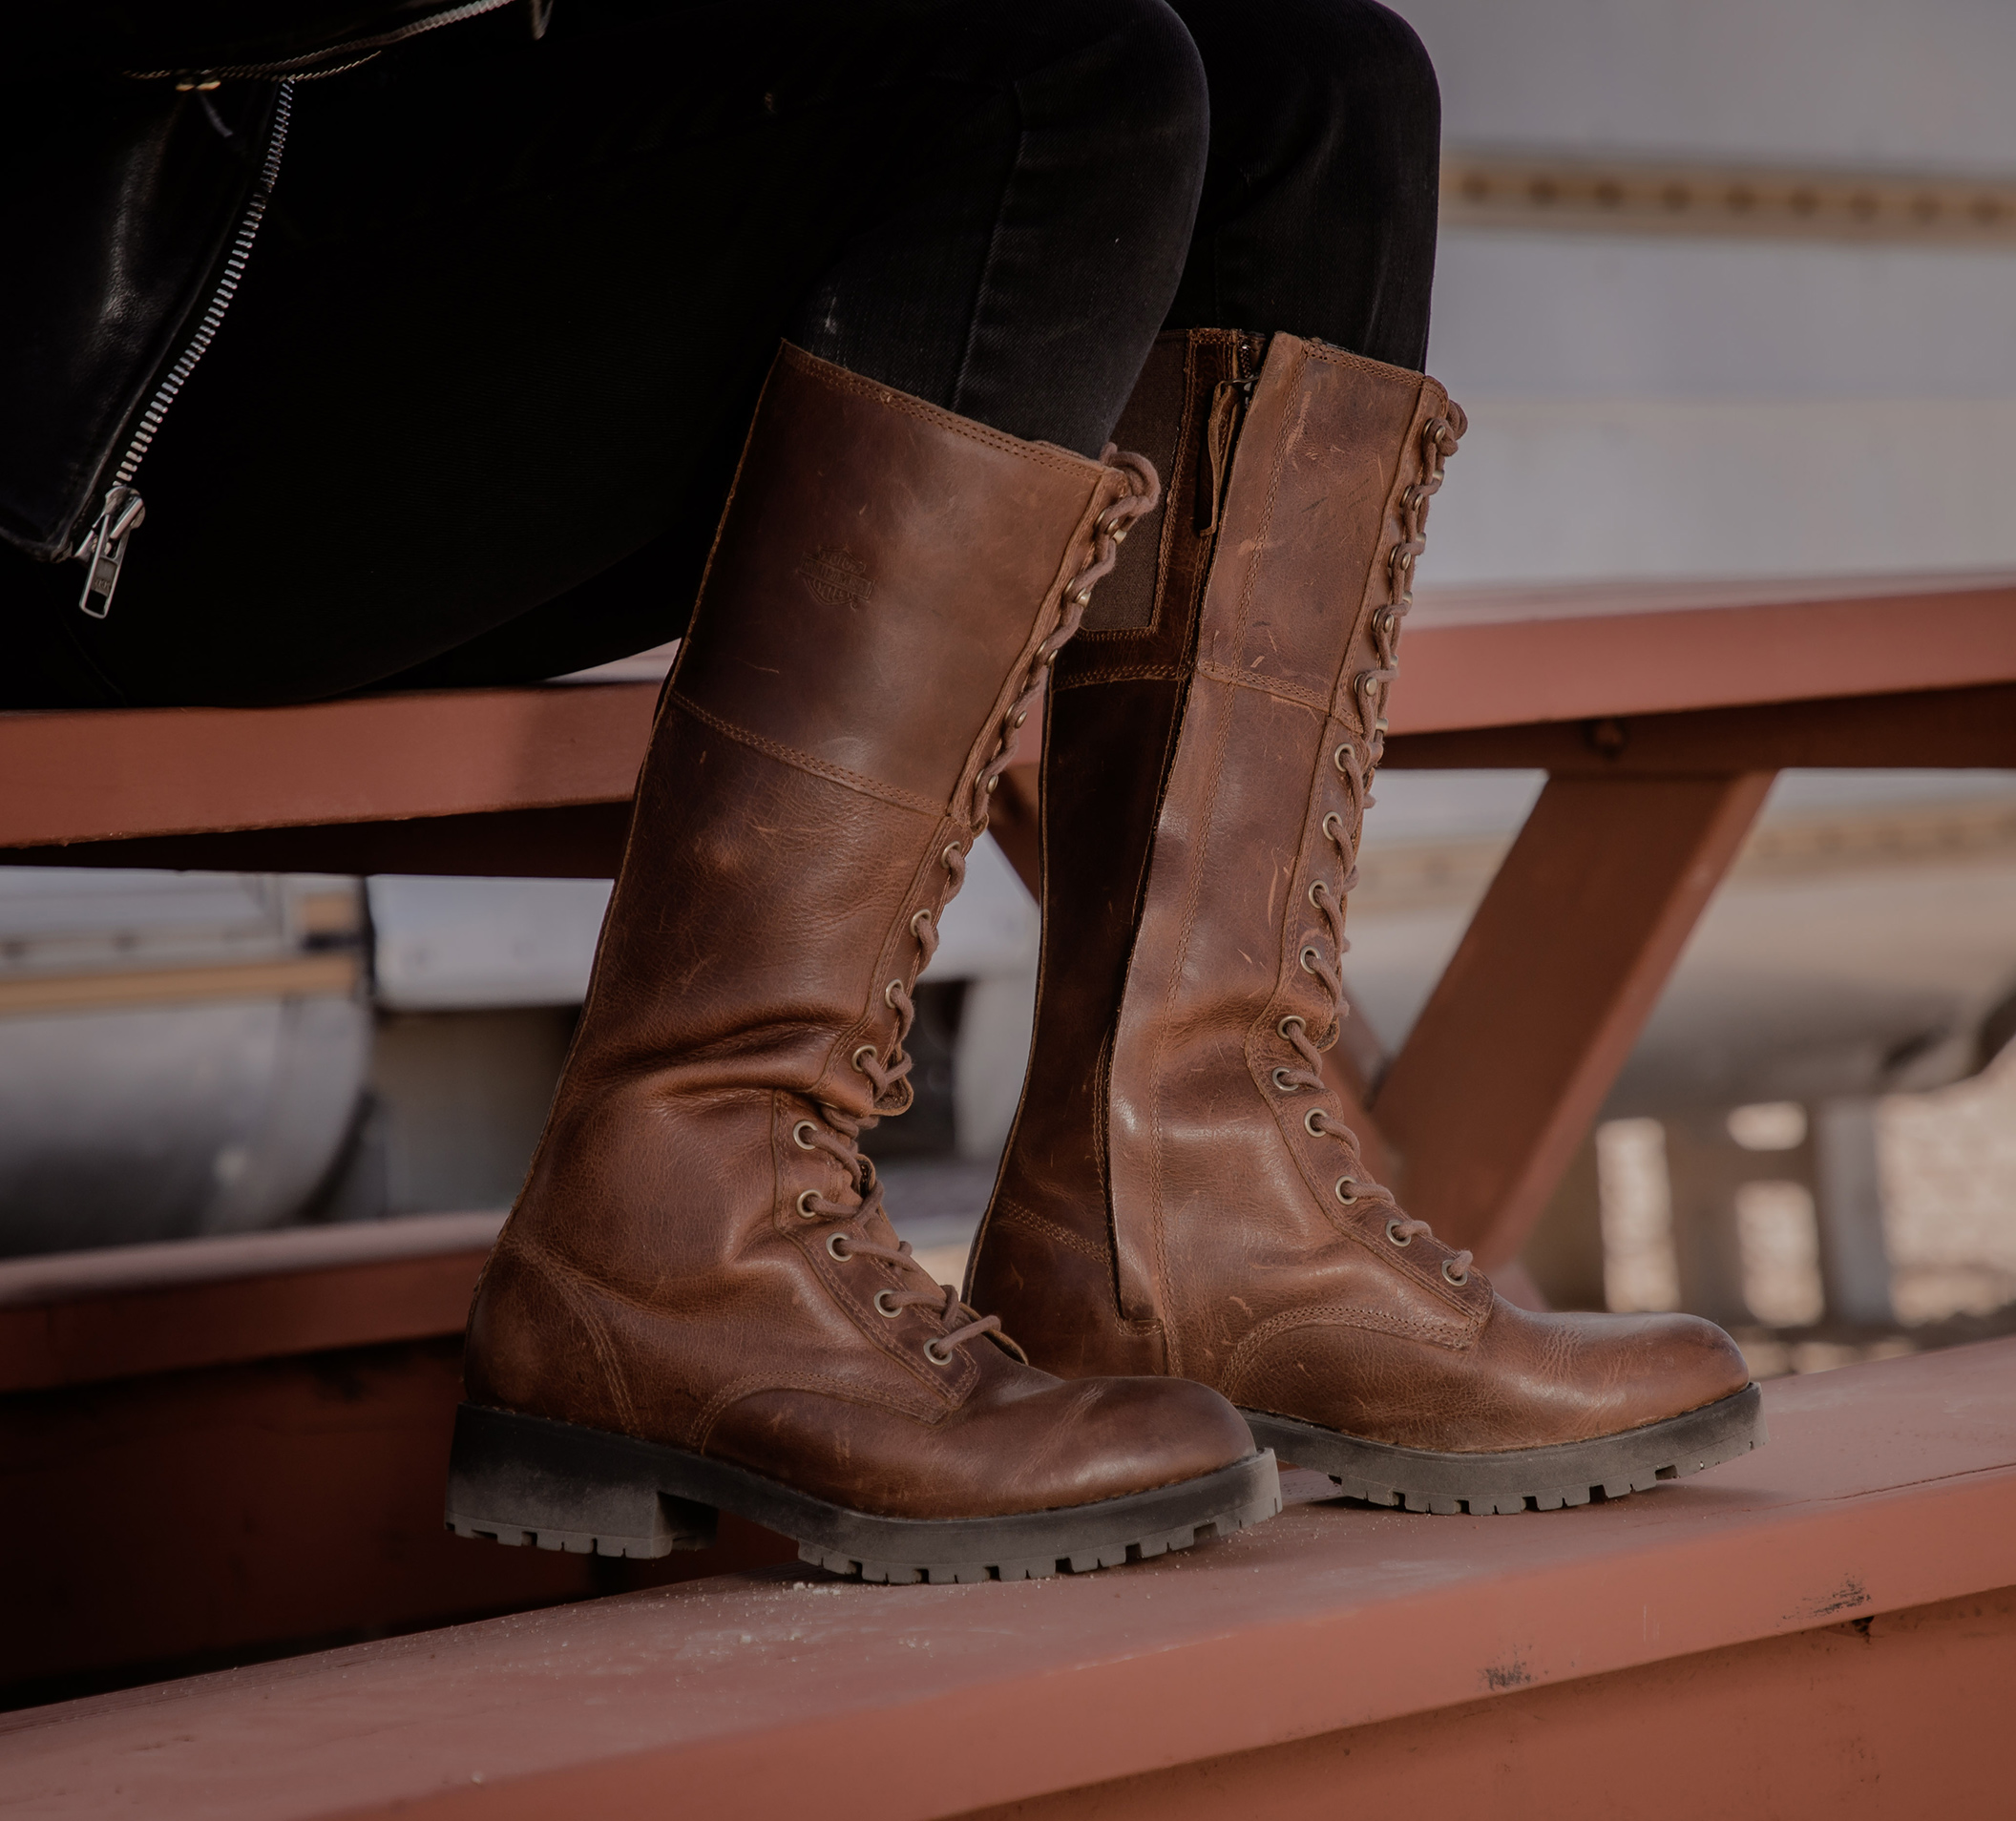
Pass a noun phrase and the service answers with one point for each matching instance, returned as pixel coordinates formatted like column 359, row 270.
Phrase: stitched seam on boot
column 812, row 1384
column 1118, row 673
column 1213, row 775
column 1332, row 355
column 570, row 1285
column 1339, row 1315
column 1042, row 1228
column 1273, row 687
column 838, row 379
column 867, row 786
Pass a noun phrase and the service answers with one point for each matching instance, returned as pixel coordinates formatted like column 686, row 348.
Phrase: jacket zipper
column 310, row 65
column 103, row 548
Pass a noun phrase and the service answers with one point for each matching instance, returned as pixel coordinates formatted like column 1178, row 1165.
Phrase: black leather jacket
column 137, row 145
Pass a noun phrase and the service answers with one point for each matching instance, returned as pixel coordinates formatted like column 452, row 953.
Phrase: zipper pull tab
column 104, row 548
column 1220, row 429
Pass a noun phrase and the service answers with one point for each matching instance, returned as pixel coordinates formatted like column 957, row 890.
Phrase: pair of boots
column 698, row 1301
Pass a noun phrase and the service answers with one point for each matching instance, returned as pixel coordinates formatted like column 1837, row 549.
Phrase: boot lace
column 836, row 1132
column 1344, row 829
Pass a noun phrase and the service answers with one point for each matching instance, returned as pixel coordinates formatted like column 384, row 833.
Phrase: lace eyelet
column 935, row 1358
column 1330, row 832
column 1281, row 1086
column 1394, row 1233
column 867, row 1049
column 1337, row 759
column 833, row 1245
column 803, row 1126
column 1347, row 1182
column 1451, row 1276
column 1296, row 1019
column 922, row 916
column 953, row 854
column 1308, row 1121
column 890, row 991
column 882, row 1306
column 1307, row 955
column 1317, row 888
column 806, row 1213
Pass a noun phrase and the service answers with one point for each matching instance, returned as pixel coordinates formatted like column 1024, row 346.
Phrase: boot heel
column 521, row 1479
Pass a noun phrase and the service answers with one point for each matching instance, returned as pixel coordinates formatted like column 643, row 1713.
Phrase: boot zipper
column 103, row 548
column 1229, row 399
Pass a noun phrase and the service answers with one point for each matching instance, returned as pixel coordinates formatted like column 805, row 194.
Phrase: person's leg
column 697, row 1301
column 1183, row 1192
column 1008, row 271
column 1319, row 213
column 516, row 301
column 698, row 1293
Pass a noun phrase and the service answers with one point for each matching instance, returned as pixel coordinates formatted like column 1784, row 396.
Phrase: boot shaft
column 888, row 584
column 1214, row 733
column 883, row 577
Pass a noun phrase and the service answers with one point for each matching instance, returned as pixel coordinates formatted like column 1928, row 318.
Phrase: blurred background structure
column 1726, row 287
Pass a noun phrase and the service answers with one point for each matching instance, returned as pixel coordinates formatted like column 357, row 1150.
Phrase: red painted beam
column 1606, row 659
column 1886, row 1719
column 80, row 1318
column 138, row 774
column 102, row 776
column 1885, row 1489
column 1504, row 1070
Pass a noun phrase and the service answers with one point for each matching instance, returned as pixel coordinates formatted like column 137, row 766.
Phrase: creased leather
column 884, row 573
column 1162, row 1204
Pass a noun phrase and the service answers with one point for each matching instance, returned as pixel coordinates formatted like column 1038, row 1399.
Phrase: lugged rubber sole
column 527, row 1479
column 1526, row 1478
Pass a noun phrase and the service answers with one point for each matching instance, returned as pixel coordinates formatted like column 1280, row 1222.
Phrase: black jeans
column 473, row 412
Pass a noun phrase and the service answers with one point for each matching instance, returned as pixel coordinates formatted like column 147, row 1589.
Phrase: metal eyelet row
column 883, row 1300
column 1457, row 1279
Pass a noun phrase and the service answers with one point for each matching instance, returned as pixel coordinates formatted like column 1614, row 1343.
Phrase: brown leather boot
column 1179, row 1195
column 698, row 1302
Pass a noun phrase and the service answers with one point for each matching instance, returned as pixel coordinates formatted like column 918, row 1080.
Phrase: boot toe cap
column 1693, row 1360
column 1094, row 1439
column 1627, row 1370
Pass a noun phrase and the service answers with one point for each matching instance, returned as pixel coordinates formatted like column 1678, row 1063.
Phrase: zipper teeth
column 220, row 297
column 304, row 66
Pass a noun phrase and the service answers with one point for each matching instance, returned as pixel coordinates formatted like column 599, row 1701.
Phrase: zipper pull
column 1229, row 399
column 103, row 549
column 1220, row 429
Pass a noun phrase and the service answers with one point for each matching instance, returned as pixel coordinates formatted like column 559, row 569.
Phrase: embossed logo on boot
column 836, row 578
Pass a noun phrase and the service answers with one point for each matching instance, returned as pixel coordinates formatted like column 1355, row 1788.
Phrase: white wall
column 1915, row 82
column 1693, row 407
